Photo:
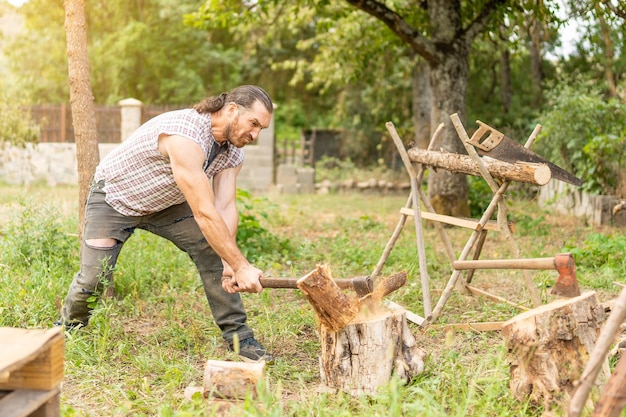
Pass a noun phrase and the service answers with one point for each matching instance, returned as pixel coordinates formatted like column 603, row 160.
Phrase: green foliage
column 143, row 347
column 334, row 169
column 600, row 250
column 140, row 50
column 256, row 242
column 289, row 121
column 585, row 133
column 36, row 254
column 16, row 124
column 37, row 238
column 480, row 195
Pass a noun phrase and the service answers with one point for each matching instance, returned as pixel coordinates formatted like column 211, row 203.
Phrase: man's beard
column 229, row 132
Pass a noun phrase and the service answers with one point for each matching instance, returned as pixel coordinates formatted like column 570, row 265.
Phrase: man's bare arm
column 187, row 158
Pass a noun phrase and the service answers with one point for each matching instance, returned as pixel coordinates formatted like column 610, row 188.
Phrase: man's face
column 247, row 124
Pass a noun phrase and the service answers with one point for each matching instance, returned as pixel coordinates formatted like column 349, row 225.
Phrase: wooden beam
column 454, row 221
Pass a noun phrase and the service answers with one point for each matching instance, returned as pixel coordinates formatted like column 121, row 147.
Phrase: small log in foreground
column 521, row 171
column 363, row 355
column 334, row 309
column 226, row 385
column 549, row 346
column 232, row 380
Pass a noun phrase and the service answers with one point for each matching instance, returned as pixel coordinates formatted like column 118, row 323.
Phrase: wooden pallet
column 31, row 372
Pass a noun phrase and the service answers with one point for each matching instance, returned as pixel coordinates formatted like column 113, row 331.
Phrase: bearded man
column 175, row 176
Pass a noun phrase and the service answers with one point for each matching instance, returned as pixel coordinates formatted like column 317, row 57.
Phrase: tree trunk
column 505, row 79
column 421, row 104
column 446, row 52
column 448, row 192
column 364, row 355
column 609, row 54
column 535, row 33
column 81, row 100
column 549, row 346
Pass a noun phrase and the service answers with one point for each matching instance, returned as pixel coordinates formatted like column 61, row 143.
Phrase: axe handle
column 343, row 283
column 530, row 263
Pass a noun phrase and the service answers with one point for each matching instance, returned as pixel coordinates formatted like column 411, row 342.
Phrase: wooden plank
column 410, row 316
column 477, row 291
column 455, row 221
column 487, row 326
column 31, row 359
column 25, row 403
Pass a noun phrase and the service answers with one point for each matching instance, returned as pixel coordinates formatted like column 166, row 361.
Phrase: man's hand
column 245, row 279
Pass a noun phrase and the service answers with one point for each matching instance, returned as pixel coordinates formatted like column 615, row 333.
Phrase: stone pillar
column 130, row 109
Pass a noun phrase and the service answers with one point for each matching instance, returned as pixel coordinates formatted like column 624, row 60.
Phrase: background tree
column 328, row 64
column 600, row 52
column 81, row 99
column 438, row 33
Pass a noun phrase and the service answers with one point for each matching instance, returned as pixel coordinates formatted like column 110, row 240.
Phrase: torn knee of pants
column 99, row 247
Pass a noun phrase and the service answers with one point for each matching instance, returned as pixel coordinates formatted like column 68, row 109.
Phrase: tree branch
column 480, row 21
column 399, row 26
column 618, row 11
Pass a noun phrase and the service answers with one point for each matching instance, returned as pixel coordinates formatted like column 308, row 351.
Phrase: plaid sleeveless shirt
column 138, row 179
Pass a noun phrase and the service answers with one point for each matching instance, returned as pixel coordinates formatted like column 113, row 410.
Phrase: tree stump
column 362, row 356
column 549, row 346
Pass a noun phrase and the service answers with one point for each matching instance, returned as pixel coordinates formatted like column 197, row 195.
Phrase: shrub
column 16, row 124
column 254, row 239
column 584, row 133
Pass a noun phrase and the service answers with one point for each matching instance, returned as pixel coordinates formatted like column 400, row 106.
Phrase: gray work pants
column 176, row 224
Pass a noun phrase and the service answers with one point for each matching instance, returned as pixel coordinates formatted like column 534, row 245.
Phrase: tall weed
column 37, row 256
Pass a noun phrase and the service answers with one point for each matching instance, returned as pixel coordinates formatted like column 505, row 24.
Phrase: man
column 175, row 176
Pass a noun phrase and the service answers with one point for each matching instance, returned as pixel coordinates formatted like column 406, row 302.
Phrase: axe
column 362, row 285
column 566, row 284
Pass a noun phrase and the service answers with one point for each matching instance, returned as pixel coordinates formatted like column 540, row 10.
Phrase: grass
column 147, row 344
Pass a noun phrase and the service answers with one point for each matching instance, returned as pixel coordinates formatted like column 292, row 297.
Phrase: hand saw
column 496, row 145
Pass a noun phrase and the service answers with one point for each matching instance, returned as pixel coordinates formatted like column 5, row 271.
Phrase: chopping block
column 362, row 343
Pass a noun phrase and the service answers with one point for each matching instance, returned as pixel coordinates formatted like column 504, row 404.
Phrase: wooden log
column 521, row 171
column 231, row 380
column 333, row 308
column 363, row 356
column 549, row 346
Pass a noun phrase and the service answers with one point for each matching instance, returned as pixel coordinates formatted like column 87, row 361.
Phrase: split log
column 334, row 309
column 363, row 356
column 549, row 346
column 231, row 380
column 521, row 171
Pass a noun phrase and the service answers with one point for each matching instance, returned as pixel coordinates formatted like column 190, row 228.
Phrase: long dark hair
column 244, row 96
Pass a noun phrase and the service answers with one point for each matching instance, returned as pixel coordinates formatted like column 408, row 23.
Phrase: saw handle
column 491, row 141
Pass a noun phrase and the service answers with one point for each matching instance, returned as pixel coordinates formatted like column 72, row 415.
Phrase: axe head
column 363, row 285
column 566, row 284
